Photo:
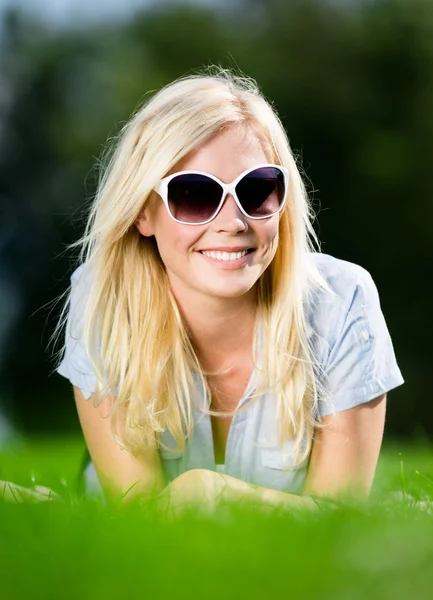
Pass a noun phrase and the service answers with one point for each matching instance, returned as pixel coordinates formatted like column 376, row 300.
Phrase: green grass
column 84, row 550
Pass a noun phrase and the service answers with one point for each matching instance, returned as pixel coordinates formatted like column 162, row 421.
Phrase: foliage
column 354, row 86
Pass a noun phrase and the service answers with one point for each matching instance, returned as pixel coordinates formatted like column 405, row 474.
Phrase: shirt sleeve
column 361, row 363
column 75, row 365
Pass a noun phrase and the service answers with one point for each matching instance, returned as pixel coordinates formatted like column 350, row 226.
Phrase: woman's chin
column 230, row 291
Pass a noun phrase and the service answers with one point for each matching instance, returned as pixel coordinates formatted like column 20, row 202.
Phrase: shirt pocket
column 276, row 470
column 273, row 457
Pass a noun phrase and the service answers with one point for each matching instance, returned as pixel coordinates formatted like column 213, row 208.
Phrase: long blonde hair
column 132, row 330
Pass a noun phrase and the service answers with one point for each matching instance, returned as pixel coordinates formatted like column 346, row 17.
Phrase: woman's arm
column 204, row 490
column 345, row 452
column 343, row 461
column 117, row 469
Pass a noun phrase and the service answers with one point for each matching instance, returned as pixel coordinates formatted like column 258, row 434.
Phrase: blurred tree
column 353, row 84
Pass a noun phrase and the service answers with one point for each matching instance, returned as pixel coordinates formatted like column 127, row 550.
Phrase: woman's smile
column 227, row 260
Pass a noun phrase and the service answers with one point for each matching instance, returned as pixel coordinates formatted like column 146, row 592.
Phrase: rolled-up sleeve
column 361, row 363
column 75, row 365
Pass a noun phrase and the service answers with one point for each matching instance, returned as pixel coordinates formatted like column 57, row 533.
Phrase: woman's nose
column 230, row 218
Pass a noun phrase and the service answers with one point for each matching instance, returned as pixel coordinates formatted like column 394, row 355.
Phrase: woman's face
column 181, row 247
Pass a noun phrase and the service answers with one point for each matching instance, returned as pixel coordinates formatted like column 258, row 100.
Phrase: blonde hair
column 132, row 329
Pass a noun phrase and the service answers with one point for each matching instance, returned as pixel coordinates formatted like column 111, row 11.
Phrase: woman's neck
column 219, row 330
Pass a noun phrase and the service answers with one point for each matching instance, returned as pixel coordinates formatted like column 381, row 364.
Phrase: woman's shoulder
column 81, row 280
column 341, row 275
column 78, row 271
column 353, row 292
column 81, row 273
column 349, row 331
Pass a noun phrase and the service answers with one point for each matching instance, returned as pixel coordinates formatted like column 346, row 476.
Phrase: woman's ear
column 144, row 222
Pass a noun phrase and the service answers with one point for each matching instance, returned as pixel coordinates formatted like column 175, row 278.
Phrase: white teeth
column 225, row 255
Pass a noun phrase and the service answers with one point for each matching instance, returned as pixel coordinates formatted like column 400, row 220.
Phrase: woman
column 222, row 354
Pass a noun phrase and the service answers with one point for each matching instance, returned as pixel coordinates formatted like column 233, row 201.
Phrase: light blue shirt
column 351, row 342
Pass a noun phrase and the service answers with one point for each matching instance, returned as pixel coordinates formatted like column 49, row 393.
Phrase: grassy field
column 83, row 550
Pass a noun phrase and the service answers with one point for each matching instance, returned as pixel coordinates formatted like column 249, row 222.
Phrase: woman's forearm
column 238, row 489
column 206, row 489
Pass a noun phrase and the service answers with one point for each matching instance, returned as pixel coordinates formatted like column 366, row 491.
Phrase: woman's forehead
column 236, row 145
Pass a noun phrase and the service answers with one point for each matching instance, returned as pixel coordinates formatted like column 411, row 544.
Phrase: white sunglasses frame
column 227, row 188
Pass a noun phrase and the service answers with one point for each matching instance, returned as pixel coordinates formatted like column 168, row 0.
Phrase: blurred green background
column 353, row 83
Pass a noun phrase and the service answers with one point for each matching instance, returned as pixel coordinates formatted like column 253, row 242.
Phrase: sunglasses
column 195, row 198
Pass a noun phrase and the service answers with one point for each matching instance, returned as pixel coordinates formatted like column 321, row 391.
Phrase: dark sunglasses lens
column 193, row 198
column 261, row 192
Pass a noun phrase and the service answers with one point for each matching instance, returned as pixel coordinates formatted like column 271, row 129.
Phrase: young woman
column 211, row 349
